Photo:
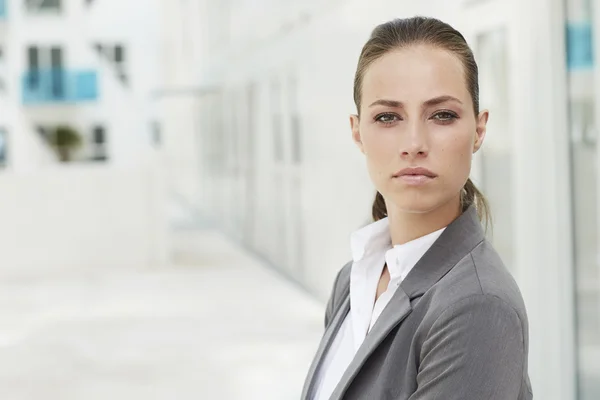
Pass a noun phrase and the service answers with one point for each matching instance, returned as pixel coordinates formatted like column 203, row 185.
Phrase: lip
column 415, row 176
column 415, row 171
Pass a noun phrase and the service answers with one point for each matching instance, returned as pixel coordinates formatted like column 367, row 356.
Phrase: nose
column 415, row 143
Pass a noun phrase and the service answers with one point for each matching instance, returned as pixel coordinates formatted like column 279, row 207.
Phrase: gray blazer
column 456, row 328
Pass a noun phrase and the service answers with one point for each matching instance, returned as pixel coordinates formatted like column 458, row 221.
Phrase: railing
column 2, row 9
column 59, row 86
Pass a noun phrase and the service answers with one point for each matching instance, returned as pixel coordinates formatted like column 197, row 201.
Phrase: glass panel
column 54, row 5
column 497, row 151
column 99, row 143
column 585, row 211
column 3, row 147
column 296, row 223
column 99, row 135
column 56, row 63
column 2, row 70
column 252, row 108
column 119, row 54
column 295, row 131
column 33, row 64
column 42, row 86
column 278, row 219
column 50, row 4
column 277, row 124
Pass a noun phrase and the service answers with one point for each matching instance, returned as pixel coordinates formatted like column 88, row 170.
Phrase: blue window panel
column 2, row 9
column 86, row 86
column 580, row 46
column 59, row 86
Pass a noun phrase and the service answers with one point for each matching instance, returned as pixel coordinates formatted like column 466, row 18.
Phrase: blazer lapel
column 397, row 309
column 458, row 239
column 326, row 342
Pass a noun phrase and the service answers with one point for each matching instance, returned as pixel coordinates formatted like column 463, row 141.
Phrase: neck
column 406, row 226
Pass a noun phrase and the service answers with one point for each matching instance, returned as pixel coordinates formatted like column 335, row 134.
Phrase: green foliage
column 65, row 140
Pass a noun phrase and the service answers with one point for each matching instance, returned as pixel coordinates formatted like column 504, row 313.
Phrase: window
column 116, row 56
column 56, row 66
column 295, row 131
column 47, row 64
column 120, row 60
column 3, row 147
column 583, row 106
column 497, row 155
column 99, row 135
column 33, row 67
column 119, row 54
column 33, row 58
column 156, row 133
column 277, row 122
column 44, row 5
column 99, row 143
column 2, row 71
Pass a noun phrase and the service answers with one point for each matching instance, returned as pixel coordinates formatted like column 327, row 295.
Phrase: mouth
column 415, row 175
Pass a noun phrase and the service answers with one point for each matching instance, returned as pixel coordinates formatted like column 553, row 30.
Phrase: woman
column 426, row 309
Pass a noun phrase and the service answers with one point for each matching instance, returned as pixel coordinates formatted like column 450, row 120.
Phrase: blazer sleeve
column 474, row 350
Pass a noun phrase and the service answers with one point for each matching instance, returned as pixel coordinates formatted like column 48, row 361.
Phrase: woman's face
column 417, row 127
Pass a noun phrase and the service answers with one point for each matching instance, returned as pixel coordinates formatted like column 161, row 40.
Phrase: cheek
column 456, row 152
column 380, row 150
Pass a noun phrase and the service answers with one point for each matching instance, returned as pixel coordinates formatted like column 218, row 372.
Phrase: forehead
column 415, row 74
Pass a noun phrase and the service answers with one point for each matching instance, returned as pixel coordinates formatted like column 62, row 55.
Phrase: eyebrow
column 431, row 102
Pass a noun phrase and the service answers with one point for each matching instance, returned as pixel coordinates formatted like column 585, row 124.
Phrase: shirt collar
column 402, row 258
column 371, row 238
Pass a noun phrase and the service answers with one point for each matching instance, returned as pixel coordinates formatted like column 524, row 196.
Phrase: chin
column 417, row 208
column 419, row 204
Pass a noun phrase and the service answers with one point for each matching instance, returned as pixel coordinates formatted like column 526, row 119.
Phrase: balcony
column 3, row 9
column 53, row 86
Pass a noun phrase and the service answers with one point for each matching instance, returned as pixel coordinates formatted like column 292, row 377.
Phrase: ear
column 482, row 120
column 354, row 125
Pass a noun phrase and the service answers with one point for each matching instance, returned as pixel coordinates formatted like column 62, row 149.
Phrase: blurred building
column 259, row 97
column 91, row 67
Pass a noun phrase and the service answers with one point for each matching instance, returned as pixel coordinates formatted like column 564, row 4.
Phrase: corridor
column 219, row 325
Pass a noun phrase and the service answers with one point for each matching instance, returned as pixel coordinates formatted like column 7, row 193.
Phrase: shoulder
column 493, row 278
column 479, row 281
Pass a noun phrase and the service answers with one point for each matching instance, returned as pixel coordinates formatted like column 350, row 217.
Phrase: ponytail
column 379, row 208
column 469, row 195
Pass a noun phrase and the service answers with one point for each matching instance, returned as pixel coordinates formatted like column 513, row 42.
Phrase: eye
column 387, row 118
column 445, row 116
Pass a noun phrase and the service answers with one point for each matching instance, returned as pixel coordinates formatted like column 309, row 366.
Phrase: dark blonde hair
column 401, row 33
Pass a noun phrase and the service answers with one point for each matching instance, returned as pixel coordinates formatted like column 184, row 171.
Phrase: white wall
column 82, row 218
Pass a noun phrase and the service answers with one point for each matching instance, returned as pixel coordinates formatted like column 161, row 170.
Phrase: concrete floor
column 217, row 326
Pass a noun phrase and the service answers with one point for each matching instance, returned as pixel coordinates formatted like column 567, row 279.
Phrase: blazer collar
column 458, row 239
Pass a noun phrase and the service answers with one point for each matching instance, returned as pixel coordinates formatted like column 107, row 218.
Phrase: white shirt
column 371, row 250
